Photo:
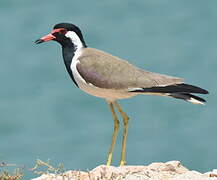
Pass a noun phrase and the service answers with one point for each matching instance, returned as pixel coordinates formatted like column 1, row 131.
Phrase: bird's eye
column 63, row 31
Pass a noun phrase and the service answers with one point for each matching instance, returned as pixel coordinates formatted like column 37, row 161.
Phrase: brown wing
column 106, row 71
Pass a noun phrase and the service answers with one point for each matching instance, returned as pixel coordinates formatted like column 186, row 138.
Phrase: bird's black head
column 65, row 34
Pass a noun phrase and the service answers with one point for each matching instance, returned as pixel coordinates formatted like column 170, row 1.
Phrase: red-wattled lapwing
column 106, row 76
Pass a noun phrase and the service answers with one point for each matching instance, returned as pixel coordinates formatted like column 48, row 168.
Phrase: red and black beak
column 46, row 38
column 50, row 36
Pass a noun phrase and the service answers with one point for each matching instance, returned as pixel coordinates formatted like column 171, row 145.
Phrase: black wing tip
column 175, row 88
column 206, row 92
column 194, row 88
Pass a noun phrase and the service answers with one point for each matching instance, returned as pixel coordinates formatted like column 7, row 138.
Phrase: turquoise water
column 43, row 115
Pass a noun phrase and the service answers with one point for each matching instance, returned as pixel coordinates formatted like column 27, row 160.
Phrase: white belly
column 108, row 94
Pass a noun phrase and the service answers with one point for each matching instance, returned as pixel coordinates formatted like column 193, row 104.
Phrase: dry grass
column 17, row 174
column 42, row 167
column 39, row 168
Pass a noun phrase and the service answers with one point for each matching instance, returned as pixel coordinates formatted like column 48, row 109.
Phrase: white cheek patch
column 75, row 39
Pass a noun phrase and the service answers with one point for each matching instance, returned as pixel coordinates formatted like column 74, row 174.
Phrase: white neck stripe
column 75, row 39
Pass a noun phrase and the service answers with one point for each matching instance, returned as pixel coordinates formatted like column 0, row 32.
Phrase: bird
column 106, row 76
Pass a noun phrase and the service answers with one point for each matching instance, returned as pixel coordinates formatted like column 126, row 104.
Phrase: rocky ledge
column 172, row 170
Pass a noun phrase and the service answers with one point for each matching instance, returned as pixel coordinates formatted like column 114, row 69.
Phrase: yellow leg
column 115, row 133
column 124, row 140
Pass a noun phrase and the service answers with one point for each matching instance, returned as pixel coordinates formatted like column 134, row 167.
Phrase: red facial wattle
column 51, row 36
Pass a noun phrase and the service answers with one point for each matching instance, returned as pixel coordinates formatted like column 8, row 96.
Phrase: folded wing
column 106, row 71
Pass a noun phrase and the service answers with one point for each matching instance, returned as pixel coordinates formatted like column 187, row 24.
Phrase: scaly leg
column 124, row 140
column 115, row 133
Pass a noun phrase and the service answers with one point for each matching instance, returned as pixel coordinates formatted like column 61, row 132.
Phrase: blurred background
column 44, row 115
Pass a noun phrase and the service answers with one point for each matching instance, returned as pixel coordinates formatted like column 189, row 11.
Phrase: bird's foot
column 123, row 163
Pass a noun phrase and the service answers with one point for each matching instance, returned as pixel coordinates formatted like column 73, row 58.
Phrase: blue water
column 43, row 115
